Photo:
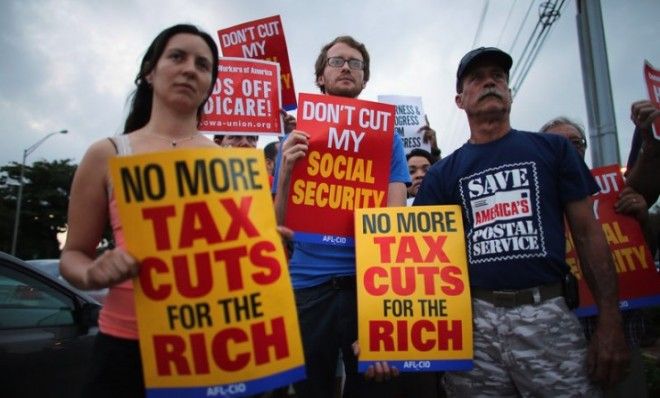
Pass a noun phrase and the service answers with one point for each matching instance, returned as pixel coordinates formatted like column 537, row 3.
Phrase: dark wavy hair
column 349, row 41
column 141, row 98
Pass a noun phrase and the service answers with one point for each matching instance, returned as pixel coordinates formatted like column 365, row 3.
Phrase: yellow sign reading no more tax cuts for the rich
column 214, row 302
column 414, row 307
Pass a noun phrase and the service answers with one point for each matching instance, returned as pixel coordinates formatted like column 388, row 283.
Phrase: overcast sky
column 70, row 64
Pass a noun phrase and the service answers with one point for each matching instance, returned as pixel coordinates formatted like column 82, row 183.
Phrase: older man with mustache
column 514, row 188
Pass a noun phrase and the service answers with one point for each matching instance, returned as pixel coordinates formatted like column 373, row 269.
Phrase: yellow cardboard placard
column 414, row 307
column 214, row 301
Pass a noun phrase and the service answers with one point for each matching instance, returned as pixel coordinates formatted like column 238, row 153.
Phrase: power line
column 506, row 23
column 549, row 12
column 522, row 24
column 523, row 56
column 481, row 24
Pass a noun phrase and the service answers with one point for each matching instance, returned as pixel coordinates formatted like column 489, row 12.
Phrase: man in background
column 419, row 162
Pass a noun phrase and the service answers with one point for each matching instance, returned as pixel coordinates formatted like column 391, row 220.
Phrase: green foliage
column 43, row 207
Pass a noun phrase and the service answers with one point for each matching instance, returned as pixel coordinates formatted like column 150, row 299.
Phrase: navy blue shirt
column 512, row 192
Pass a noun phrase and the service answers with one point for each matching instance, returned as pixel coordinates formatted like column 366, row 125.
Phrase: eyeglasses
column 338, row 62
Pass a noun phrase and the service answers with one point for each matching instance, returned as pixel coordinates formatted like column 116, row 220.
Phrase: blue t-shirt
column 312, row 264
column 512, row 192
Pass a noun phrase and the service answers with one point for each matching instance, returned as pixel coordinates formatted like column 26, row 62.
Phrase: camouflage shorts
column 530, row 351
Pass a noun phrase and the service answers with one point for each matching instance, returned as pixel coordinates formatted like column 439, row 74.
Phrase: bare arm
column 396, row 194
column 87, row 218
column 608, row 354
column 293, row 148
column 633, row 204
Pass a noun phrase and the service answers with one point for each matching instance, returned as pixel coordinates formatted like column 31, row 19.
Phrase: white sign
column 409, row 119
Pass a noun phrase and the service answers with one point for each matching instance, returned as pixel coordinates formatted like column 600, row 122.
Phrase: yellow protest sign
column 214, row 303
column 414, row 306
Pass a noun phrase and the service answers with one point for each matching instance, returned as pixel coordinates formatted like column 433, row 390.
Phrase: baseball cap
column 496, row 55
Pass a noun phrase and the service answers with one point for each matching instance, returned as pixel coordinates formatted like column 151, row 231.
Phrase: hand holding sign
column 294, row 148
column 642, row 174
column 632, row 204
column 378, row 371
column 652, row 77
column 289, row 121
column 110, row 268
column 429, row 137
column 643, row 113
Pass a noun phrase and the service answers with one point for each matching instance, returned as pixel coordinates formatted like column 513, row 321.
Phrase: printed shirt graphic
column 503, row 206
column 513, row 192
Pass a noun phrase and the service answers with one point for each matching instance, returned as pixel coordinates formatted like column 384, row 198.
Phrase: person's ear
column 458, row 99
column 149, row 77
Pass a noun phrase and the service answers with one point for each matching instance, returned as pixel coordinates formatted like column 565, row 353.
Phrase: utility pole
column 597, row 88
column 19, row 198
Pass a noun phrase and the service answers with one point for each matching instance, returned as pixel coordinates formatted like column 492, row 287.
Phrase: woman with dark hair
column 176, row 77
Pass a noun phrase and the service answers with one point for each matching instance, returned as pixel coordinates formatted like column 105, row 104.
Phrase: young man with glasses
column 323, row 276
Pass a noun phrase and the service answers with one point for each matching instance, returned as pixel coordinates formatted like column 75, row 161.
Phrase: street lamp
column 17, row 216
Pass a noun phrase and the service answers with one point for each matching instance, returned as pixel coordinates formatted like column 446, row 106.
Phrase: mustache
column 490, row 91
column 347, row 76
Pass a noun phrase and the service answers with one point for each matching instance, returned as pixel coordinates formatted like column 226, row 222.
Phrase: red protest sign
column 347, row 166
column 245, row 98
column 652, row 77
column 639, row 282
column 261, row 39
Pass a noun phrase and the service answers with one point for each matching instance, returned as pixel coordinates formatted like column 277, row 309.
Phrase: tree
column 43, row 206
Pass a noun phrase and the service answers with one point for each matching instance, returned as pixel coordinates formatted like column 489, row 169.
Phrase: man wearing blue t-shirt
column 514, row 188
column 323, row 276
